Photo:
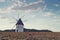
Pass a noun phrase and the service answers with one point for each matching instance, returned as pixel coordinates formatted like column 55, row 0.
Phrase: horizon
column 38, row 14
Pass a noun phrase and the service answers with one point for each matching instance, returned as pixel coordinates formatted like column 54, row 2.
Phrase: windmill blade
column 25, row 20
column 12, row 22
column 22, row 16
column 14, row 18
column 18, row 16
column 13, row 26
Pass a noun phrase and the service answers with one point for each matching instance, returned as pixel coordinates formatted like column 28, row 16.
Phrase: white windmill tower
column 19, row 26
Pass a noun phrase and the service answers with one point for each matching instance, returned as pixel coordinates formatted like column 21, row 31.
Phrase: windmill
column 19, row 26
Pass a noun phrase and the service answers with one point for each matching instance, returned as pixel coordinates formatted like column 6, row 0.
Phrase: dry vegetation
column 30, row 36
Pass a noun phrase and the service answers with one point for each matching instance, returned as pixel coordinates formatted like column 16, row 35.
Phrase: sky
column 38, row 14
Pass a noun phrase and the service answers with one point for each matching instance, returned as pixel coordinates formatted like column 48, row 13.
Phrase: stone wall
column 30, row 36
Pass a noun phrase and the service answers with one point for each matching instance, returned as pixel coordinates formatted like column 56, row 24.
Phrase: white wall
column 19, row 28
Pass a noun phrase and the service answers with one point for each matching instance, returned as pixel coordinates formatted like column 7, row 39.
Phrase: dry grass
column 30, row 36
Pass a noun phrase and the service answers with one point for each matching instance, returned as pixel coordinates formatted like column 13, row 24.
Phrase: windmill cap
column 19, row 22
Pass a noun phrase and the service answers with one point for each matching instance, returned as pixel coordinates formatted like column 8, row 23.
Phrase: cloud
column 57, row 5
column 7, row 10
column 48, row 13
column 2, row 0
column 29, row 7
column 3, row 18
column 20, row 6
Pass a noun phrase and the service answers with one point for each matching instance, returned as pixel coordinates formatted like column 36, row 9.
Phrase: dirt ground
column 30, row 36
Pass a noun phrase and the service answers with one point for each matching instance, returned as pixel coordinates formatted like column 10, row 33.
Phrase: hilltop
column 27, row 30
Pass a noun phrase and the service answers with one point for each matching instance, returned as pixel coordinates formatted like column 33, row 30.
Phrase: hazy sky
column 38, row 14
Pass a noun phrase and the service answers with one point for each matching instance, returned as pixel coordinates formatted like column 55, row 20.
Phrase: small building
column 19, row 26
